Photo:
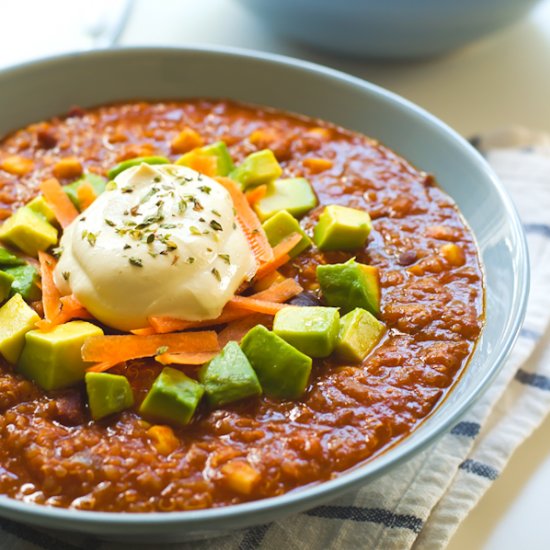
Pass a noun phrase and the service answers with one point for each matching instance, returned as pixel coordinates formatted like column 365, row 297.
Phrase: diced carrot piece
column 163, row 438
column 205, row 164
column 186, row 140
column 240, row 476
column 186, row 358
column 17, row 165
column 249, row 222
column 317, row 165
column 69, row 167
column 86, row 195
column 61, row 204
column 127, row 347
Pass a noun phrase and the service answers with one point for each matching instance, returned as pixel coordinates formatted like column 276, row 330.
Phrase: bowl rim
column 299, row 499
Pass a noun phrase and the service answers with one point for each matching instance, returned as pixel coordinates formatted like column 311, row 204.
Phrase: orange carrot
column 51, row 298
column 86, row 195
column 256, row 194
column 61, row 204
column 205, row 164
column 257, row 306
column 147, row 331
column 279, row 293
column 126, row 347
column 249, row 222
column 186, row 358
column 236, row 330
column 103, row 366
column 280, row 255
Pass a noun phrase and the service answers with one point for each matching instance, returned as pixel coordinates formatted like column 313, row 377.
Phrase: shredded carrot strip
column 126, row 347
column 255, row 305
column 280, row 255
column 256, row 194
column 236, row 330
column 249, row 222
column 147, row 331
column 279, row 293
column 61, row 204
column 103, row 366
column 51, row 298
column 186, row 358
column 86, row 195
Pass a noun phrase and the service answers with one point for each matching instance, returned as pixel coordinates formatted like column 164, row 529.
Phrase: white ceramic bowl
column 36, row 91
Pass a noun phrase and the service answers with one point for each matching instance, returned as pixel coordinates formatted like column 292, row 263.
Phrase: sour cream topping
column 161, row 240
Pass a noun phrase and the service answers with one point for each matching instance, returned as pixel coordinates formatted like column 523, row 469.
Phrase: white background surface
column 503, row 80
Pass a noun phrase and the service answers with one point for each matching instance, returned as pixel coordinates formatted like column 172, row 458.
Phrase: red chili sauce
column 432, row 303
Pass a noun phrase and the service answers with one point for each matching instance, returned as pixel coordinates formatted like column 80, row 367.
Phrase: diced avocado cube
column 294, row 195
column 40, row 206
column 257, row 168
column 359, row 332
column 229, row 377
column 107, row 393
column 173, row 398
column 28, row 231
column 16, row 319
column 282, row 370
column 5, row 285
column 342, row 228
column 25, row 282
column 224, row 163
column 7, row 259
column 53, row 359
column 311, row 330
column 350, row 285
column 281, row 225
column 125, row 164
column 97, row 182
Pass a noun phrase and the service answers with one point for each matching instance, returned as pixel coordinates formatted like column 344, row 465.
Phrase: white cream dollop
column 163, row 240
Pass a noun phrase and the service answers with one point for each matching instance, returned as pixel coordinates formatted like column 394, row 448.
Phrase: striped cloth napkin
column 420, row 504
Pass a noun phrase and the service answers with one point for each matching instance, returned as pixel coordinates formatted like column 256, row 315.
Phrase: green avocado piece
column 312, row 330
column 350, row 285
column 256, row 169
column 295, row 195
column 97, row 182
column 173, row 398
column 53, row 359
column 16, row 319
column 107, row 393
column 359, row 332
column 281, row 225
column 224, row 163
column 40, row 206
column 5, row 285
column 342, row 228
column 125, row 164
column 229, row 377
column 28, row 231
column 282, row 370
column 7, row 259
column 25, row 281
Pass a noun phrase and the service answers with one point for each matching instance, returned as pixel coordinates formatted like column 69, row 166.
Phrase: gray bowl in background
column 39, row 90
column 387, row 28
